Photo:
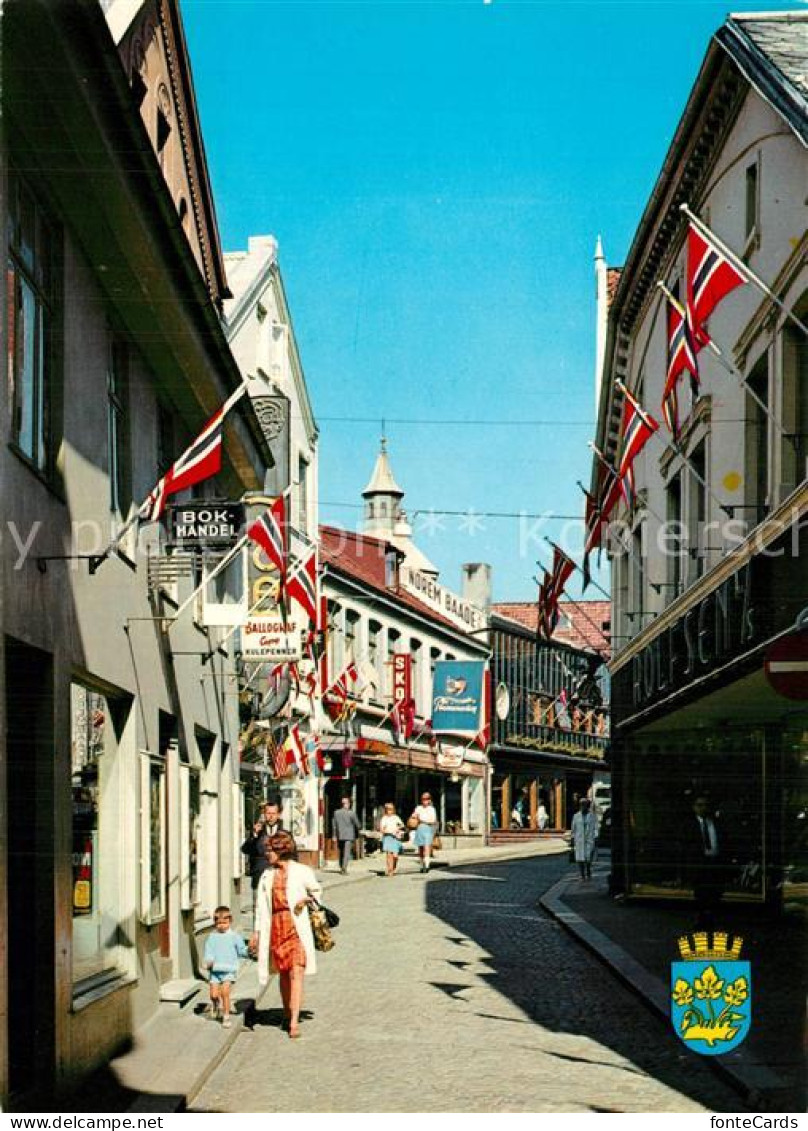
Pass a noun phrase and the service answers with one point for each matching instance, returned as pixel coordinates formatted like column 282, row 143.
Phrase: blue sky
column 436, row 175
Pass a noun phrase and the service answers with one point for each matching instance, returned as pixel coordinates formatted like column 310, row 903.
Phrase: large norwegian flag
column 269, row 532
column 302, row 587
column 295, row 749
column 710, row 278
column 199, row 462
column 638, row 428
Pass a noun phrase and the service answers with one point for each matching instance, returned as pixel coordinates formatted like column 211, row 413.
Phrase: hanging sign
column 457, row 692
column 269, row 638
column 450, row 757
column 205, row 523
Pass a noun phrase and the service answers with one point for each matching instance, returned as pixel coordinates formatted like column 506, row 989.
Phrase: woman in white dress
column 584, row 836
column 392, row 829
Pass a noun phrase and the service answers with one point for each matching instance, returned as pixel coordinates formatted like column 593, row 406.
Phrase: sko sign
column 786, row 665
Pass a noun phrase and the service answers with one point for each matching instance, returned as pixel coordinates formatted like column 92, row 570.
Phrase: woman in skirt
column 427, row 818
column 283, row 936
column 392, row 829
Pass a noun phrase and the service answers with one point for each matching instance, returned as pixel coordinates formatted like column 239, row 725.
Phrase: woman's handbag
column 320, row 929
column 331, row 917
column 413, row 823
column 436, row 842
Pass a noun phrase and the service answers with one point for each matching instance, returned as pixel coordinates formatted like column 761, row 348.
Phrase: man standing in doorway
column 702, row 851
column 345, row 830
column 254, row 848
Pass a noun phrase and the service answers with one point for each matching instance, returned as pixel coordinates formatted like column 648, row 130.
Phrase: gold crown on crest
column 700, row 948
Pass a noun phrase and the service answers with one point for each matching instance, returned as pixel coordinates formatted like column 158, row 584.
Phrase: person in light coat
column 282, row 937
column 584, row 836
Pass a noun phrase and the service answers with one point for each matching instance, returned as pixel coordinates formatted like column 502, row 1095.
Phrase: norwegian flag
column 197, row 463
column 551, row 590
column 269, row 532
column 402, row 717
column 670, row 409
column 593, row 533
column 302, row 587
column 336, row 695
column 682, row 358
column 638, row 428
column 484, row 736
column 710, row 278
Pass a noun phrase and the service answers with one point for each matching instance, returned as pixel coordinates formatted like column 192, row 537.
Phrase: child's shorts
column 219, row 976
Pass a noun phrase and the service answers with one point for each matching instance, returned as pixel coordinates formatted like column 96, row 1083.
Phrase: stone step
column 179, row 991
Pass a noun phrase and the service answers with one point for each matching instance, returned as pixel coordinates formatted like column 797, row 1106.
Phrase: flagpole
column 580, row 569
column 727, row 508
column 726, row 365
column 599, row 455
column 239, row 546
column 236, row 395
column 583, row 613
column 742, row 268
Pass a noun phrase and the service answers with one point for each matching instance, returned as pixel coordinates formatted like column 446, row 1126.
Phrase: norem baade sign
column 205, row 523
column 455, row 608
column 457, row 691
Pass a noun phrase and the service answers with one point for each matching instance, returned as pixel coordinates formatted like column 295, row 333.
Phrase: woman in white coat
column 283, row 936
column 584, row 835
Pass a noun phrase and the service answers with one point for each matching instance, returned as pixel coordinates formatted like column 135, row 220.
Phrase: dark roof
column 362, row 558
column 582, row 624
column 771, row 49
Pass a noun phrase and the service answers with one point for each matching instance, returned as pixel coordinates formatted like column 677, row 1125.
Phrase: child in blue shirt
column 223, row 949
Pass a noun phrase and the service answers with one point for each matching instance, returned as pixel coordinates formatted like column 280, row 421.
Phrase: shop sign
column 402, row 678
column 270, row 638
column 786, row 665
column 205, row 524
column 455, row 608
column 457, row 691
column 450, row 757
column 372, row 746
column 723, row 624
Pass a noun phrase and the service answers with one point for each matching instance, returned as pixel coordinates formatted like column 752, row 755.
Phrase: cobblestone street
column 454, row 993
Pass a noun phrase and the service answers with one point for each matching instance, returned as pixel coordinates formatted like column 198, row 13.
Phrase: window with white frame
column 756, row 437
column 375, row 656
column 153, row 838
column 96, row 841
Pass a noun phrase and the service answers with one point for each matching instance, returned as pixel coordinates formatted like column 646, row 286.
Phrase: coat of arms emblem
column 711, row 994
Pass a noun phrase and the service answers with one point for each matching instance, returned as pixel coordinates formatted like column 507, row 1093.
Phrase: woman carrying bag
column 393, row 832
column 425, row 820
column 283, row 937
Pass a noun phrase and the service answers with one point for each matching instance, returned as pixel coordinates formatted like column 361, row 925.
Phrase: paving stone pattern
column 455, row 993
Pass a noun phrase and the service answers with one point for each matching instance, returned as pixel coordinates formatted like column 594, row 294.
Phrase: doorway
column 30, row 801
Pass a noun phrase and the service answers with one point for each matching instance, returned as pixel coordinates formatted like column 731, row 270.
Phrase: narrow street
column 454, row 993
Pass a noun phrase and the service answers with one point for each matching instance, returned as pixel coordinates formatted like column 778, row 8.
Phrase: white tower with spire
column 384, row 516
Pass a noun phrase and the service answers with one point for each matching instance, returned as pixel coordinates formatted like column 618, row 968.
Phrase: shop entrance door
column 31, row 820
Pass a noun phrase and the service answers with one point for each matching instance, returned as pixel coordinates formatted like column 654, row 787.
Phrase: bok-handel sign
column 457, row 689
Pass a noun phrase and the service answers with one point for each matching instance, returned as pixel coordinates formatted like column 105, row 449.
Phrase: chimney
column 477, row 584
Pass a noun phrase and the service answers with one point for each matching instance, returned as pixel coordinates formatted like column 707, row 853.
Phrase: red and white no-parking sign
column 786, row 665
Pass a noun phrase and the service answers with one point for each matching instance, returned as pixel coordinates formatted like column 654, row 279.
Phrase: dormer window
column 260, row 312
column 391, row 569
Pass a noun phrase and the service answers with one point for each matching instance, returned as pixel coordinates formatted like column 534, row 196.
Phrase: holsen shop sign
column 719, row 626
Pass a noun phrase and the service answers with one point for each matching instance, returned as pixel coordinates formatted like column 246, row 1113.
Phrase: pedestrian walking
column 345, row 830
column 425, row 819
column 224, row 948
column 393, row 831
column 266, row 824
column 282, row 937
column 584, row 837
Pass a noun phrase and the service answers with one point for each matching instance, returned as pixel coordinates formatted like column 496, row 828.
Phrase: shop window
column 190, row 827
column 756, row 437
column 31, row 338
column 96, row 849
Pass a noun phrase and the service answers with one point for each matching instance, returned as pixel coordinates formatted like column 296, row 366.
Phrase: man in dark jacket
column 254, row 847
column 702, row 851
column 345, row 830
